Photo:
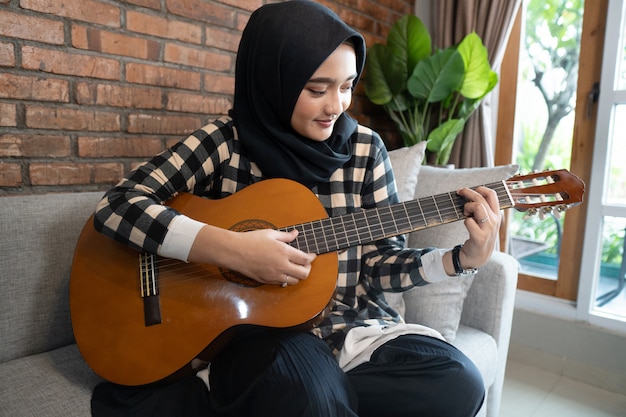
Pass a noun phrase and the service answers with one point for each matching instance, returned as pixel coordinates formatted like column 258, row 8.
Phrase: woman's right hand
column 263, row 255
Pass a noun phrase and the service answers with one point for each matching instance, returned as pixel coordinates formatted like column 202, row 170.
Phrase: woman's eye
column 316, row 92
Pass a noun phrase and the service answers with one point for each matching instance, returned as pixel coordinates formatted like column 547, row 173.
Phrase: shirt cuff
column 180, row 237
column 432, row 266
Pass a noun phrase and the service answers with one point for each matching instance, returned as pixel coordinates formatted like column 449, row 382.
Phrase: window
column 603, row 293
column 592, row 269
column 544, row 120
column 561, row 279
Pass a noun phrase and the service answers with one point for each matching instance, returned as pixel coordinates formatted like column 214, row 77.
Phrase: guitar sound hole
column 245, row 226
column 239, row 279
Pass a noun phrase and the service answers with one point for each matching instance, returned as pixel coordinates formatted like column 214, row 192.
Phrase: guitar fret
column 360, row 223
column 340, row 232
column 327, row 231
column 448, row 213
column 344, row 240
column 374, row 225
column 429, row 211
column 421, row 211
column 437, row 208
column 390, row 224
column 407, row 216
column 316, row 236
column 455, row 206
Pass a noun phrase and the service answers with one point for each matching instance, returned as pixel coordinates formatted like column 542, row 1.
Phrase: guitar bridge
column 149, row 289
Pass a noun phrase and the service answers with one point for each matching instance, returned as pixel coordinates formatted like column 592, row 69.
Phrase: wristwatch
column 459, row 271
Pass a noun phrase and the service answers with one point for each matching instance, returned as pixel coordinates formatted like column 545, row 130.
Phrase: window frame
column 566, row 286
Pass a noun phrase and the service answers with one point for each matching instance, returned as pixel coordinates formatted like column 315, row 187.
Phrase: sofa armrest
column 489, row 307
column 491, row 298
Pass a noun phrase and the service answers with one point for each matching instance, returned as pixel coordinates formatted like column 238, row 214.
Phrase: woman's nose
column 334, row 105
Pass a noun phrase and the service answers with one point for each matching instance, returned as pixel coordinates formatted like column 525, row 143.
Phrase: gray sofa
column 43, row 374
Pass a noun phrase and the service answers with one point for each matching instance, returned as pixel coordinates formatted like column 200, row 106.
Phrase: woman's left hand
column 482, row 222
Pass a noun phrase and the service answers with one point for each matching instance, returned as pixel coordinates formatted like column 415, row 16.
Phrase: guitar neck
column 369, row 225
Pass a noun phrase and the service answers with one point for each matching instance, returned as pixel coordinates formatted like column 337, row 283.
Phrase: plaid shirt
column 212, row 163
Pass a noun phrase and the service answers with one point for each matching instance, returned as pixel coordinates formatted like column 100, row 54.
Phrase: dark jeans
column 278, row 374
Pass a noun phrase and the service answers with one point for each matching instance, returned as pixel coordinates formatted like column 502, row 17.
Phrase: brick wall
column 89, row 88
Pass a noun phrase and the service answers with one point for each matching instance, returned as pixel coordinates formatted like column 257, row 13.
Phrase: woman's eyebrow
column 328, row 80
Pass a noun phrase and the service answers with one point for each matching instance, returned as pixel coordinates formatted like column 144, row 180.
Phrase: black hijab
column 281, row 47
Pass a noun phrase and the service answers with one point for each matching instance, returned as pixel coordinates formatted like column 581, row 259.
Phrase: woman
column 296, row 68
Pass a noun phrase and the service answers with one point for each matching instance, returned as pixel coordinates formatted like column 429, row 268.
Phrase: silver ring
column 483, row 220
column 284, row 284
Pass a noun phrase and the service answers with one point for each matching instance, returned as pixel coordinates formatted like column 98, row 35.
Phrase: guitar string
column 449, row 213
column 360, row 222
column 438, row 216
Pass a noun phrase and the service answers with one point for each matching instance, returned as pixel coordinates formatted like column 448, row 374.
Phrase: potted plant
column 429, row 95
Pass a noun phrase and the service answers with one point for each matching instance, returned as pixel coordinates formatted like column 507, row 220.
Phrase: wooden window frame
column 592, row 45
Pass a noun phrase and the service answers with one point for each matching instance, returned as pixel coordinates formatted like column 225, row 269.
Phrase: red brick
column 89, row 147
column 163, row 125
column 169, row 142
column 85, row 10
column 15, row 25
column 163, row 28
column 219, row 83
column 361, row 23
column 71, row 119
column 118, row 96
column 34, row 146
column 210, row 13
column 250, row 5
column 159, row 75
column 151, row 4
column 196, row 103
column 198, row 58
column 8, row 114
column 242, row 21
column 114, row 43
column 10, row 175
column 59, row 173
column 109, row 173
column 58, row 62
column 30, row 88
column 7, row 55
column 222, row 39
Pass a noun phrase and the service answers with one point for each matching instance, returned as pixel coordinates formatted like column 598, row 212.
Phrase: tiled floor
column 533, row 392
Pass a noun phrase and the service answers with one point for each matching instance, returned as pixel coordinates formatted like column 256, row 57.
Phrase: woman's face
column 326, row 95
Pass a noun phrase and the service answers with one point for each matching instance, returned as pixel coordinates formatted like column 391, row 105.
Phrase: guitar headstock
column 545, row 192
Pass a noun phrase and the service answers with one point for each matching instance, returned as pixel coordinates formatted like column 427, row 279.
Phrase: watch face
column 468, row 272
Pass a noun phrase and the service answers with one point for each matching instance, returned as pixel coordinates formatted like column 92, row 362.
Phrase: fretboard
column 369, row 225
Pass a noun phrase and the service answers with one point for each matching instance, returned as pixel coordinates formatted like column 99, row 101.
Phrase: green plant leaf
column 410, row 41
column 384, row 76
column 441, row 139
column 477, row 81
column 468, row 106
column 435, row 78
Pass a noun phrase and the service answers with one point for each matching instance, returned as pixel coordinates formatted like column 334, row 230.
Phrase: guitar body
column 200, row 306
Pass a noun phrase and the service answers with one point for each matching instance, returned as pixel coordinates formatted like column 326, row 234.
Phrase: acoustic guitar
column 141, row 319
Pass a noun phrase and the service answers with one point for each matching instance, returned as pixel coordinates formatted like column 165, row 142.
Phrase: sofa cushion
column 39, row 234
column 55, row 383
column 439, row 305
column 406, row 163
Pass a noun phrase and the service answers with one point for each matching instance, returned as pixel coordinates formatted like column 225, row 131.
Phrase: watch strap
column 456, row 262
